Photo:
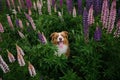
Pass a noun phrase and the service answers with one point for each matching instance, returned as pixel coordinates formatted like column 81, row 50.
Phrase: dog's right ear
column 53, row 34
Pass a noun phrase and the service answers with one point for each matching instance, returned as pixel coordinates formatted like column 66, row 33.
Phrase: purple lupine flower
column 53, row 3
column 112, row 17
column 105, row 14
column 89, row 3
column 61, row 3
column 20, row 24
column 80, row 7
column 85, row 25
column 97, row 33
column 23, row 3
column 119, row 13
column 29, row 5
column 69, row 6
column 90, row 16
column 1, row 28
column 31, row 21
column 97, row 6
column 17, row 22
column 42, row 38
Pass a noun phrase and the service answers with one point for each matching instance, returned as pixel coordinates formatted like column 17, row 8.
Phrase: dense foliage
column 94, row 60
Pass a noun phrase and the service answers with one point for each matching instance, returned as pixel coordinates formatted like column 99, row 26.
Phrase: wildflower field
column 26, row 51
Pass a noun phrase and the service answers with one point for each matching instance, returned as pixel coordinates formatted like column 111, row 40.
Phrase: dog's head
column 59, row 38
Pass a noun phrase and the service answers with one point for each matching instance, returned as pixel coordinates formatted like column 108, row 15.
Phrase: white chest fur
column 61, row 50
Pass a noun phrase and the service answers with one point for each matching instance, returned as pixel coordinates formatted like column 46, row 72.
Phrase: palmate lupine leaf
column 112, row 17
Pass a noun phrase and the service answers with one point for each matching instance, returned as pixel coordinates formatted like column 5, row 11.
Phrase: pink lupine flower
column 13, row 3
column 10, row 57
column 20, row 24
column 8, row 4
column 55, row 9
column 34, row 6
column 19, row 1
column 19, row 9
column 90, row 16
column 31, row 69
column 3, row 65
column 39, row 6
column 49, row 6
column 10, row 22
column 112, row 17
column 1, row 28
column 29, row 5
column 117, row 31
column 60, row 15
column 74, row 12
column 42, row 38
column 21, row 34
column 105, row 13
column 20, row 60
column 31, row 21
column 19, row 50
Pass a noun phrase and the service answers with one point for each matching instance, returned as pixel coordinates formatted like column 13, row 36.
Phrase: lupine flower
column 69, row 6
column 21, row 34
column 31, row 21
column 20, row 24
column 8, row 4
column 80, row 7
column 13, row 3
column 89, row 3
column 14, row 12
column 42, row 38
column 29, row 5
column 90, row 16
column 85, row 25
column 49, row 6
column 112, row 17
column 10, row 57
column 31, row 69
column 117, row 31
column 20, row 60
column 34, row 6
column 10, row 22
column 60, row 15
column 61, row 3
column 1, row 28
column 105, row 14
column 97, row 33
column 53, row 3
column 97, row 6
column 19, row 1
column 74, row 12
column 19, row 9
column 39, row 6
column 19, row 50
column 55, row 9
column 3, row 65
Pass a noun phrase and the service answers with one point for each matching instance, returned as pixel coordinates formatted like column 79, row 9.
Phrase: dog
column 60, row 40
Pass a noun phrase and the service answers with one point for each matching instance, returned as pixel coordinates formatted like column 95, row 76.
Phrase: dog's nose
column 60, row 39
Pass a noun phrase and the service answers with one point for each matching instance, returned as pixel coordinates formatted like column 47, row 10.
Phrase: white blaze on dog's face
column 60, row 38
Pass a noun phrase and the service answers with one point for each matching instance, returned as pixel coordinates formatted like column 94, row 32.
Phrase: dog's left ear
column 66, row 33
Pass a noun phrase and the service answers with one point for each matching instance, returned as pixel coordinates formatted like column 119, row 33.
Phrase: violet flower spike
column 97, row 33
column 53, row 3
column 1, row 28
column 85, row 25
column 69, row 6
column 29, row 5
column 61, row 3
column 80, row 10
column 89, row 3
column 42, row 38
